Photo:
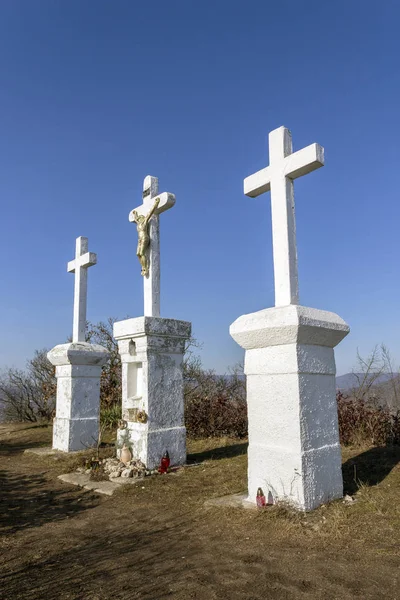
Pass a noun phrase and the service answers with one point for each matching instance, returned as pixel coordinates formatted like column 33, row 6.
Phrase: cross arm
column 304, row 161
column 258, row 183
column 167, row 201
column 89, row 259
column 86, row 260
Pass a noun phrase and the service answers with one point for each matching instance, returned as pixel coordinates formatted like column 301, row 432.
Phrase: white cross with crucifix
column 79, row 266
column 151, row 280
column 285, row 166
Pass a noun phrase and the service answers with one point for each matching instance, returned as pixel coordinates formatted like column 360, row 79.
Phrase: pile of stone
column 114, row 468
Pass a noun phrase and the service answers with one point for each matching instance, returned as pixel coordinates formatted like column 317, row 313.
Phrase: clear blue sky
column 97, row 94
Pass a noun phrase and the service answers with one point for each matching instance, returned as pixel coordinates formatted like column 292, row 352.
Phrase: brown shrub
column 361, row 423
column 28, row 395
column 215, row 405
column 215, row 416
column 110, row 381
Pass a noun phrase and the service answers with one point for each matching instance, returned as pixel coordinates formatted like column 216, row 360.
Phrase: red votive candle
column 260, row 498
column 165, row 462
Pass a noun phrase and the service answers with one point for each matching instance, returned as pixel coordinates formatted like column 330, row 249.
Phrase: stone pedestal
column 78, row 370
column 151, row 350
column 294, row 451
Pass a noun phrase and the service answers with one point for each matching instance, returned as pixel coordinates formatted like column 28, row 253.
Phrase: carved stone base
column 151, row 350
column 294, row 451
column 78, row 370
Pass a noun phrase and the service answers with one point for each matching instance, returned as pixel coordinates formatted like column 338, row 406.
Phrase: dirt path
column 157, row 540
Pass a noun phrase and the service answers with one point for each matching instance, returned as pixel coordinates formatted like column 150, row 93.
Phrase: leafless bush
column 29, row 395
column 215, row 405
column 377, row 381
column 361, row 423
column 110, row 382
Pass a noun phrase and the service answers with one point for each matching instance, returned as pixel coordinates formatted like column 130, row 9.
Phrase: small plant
column 97, row 472
column 110, row 415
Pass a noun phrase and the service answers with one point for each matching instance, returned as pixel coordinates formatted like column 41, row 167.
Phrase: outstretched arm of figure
column 153, row 209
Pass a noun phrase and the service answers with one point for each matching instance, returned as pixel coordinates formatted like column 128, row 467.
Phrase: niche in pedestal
column 135, row 381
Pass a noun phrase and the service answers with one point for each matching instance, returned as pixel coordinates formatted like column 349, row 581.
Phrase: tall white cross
column 151, row 282
column 79, row 266
column 284, row 167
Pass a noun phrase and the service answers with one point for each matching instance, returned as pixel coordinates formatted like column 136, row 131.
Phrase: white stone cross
column 79, row 266
column 284, row 167
column 151, row 282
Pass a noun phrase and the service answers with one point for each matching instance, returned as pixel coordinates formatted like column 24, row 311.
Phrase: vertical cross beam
column 285, row 166
column 79, row 266
column 283, row 223
column 151, row 282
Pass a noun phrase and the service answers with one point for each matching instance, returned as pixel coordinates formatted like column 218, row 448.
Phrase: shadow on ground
column 28, row 498
column 218, row 453
column 157, row 541
column 150, row 559
column 369, row 468
column 11, row 448
column 26, row 501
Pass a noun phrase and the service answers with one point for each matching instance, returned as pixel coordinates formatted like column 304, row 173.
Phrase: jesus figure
column 142, row 224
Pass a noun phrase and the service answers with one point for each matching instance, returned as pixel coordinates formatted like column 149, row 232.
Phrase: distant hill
column 385, row 390
column 349, row 381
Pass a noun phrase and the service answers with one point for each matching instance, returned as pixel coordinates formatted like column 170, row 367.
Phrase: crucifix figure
column 143, row 226
column 79, row 266
column 148, row 248
column 285, row 166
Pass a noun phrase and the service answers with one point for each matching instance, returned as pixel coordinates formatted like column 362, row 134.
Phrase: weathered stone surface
column 75, row 478
column 75, row 356
column 152, row 326
column 84, row 481
column 79, row 266
column 294, row 451
column 78, row 371
column 285, row 166
column 42, row 451
column 151, row 352
column 74, row 435
column 105, row 487
column 126, row 481
column 292, row 324
column 231, row 501
column 151, row 282
column 127, row 472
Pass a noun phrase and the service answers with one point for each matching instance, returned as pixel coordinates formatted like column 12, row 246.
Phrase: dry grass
column 159, row 541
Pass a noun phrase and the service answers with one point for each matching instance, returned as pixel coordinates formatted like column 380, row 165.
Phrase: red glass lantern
column 260, row 498
column 165, row 462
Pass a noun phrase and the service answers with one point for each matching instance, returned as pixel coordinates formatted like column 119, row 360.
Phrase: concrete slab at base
column 42, row 451
column 101, row 487
column 232, row 501
column 75, row 478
